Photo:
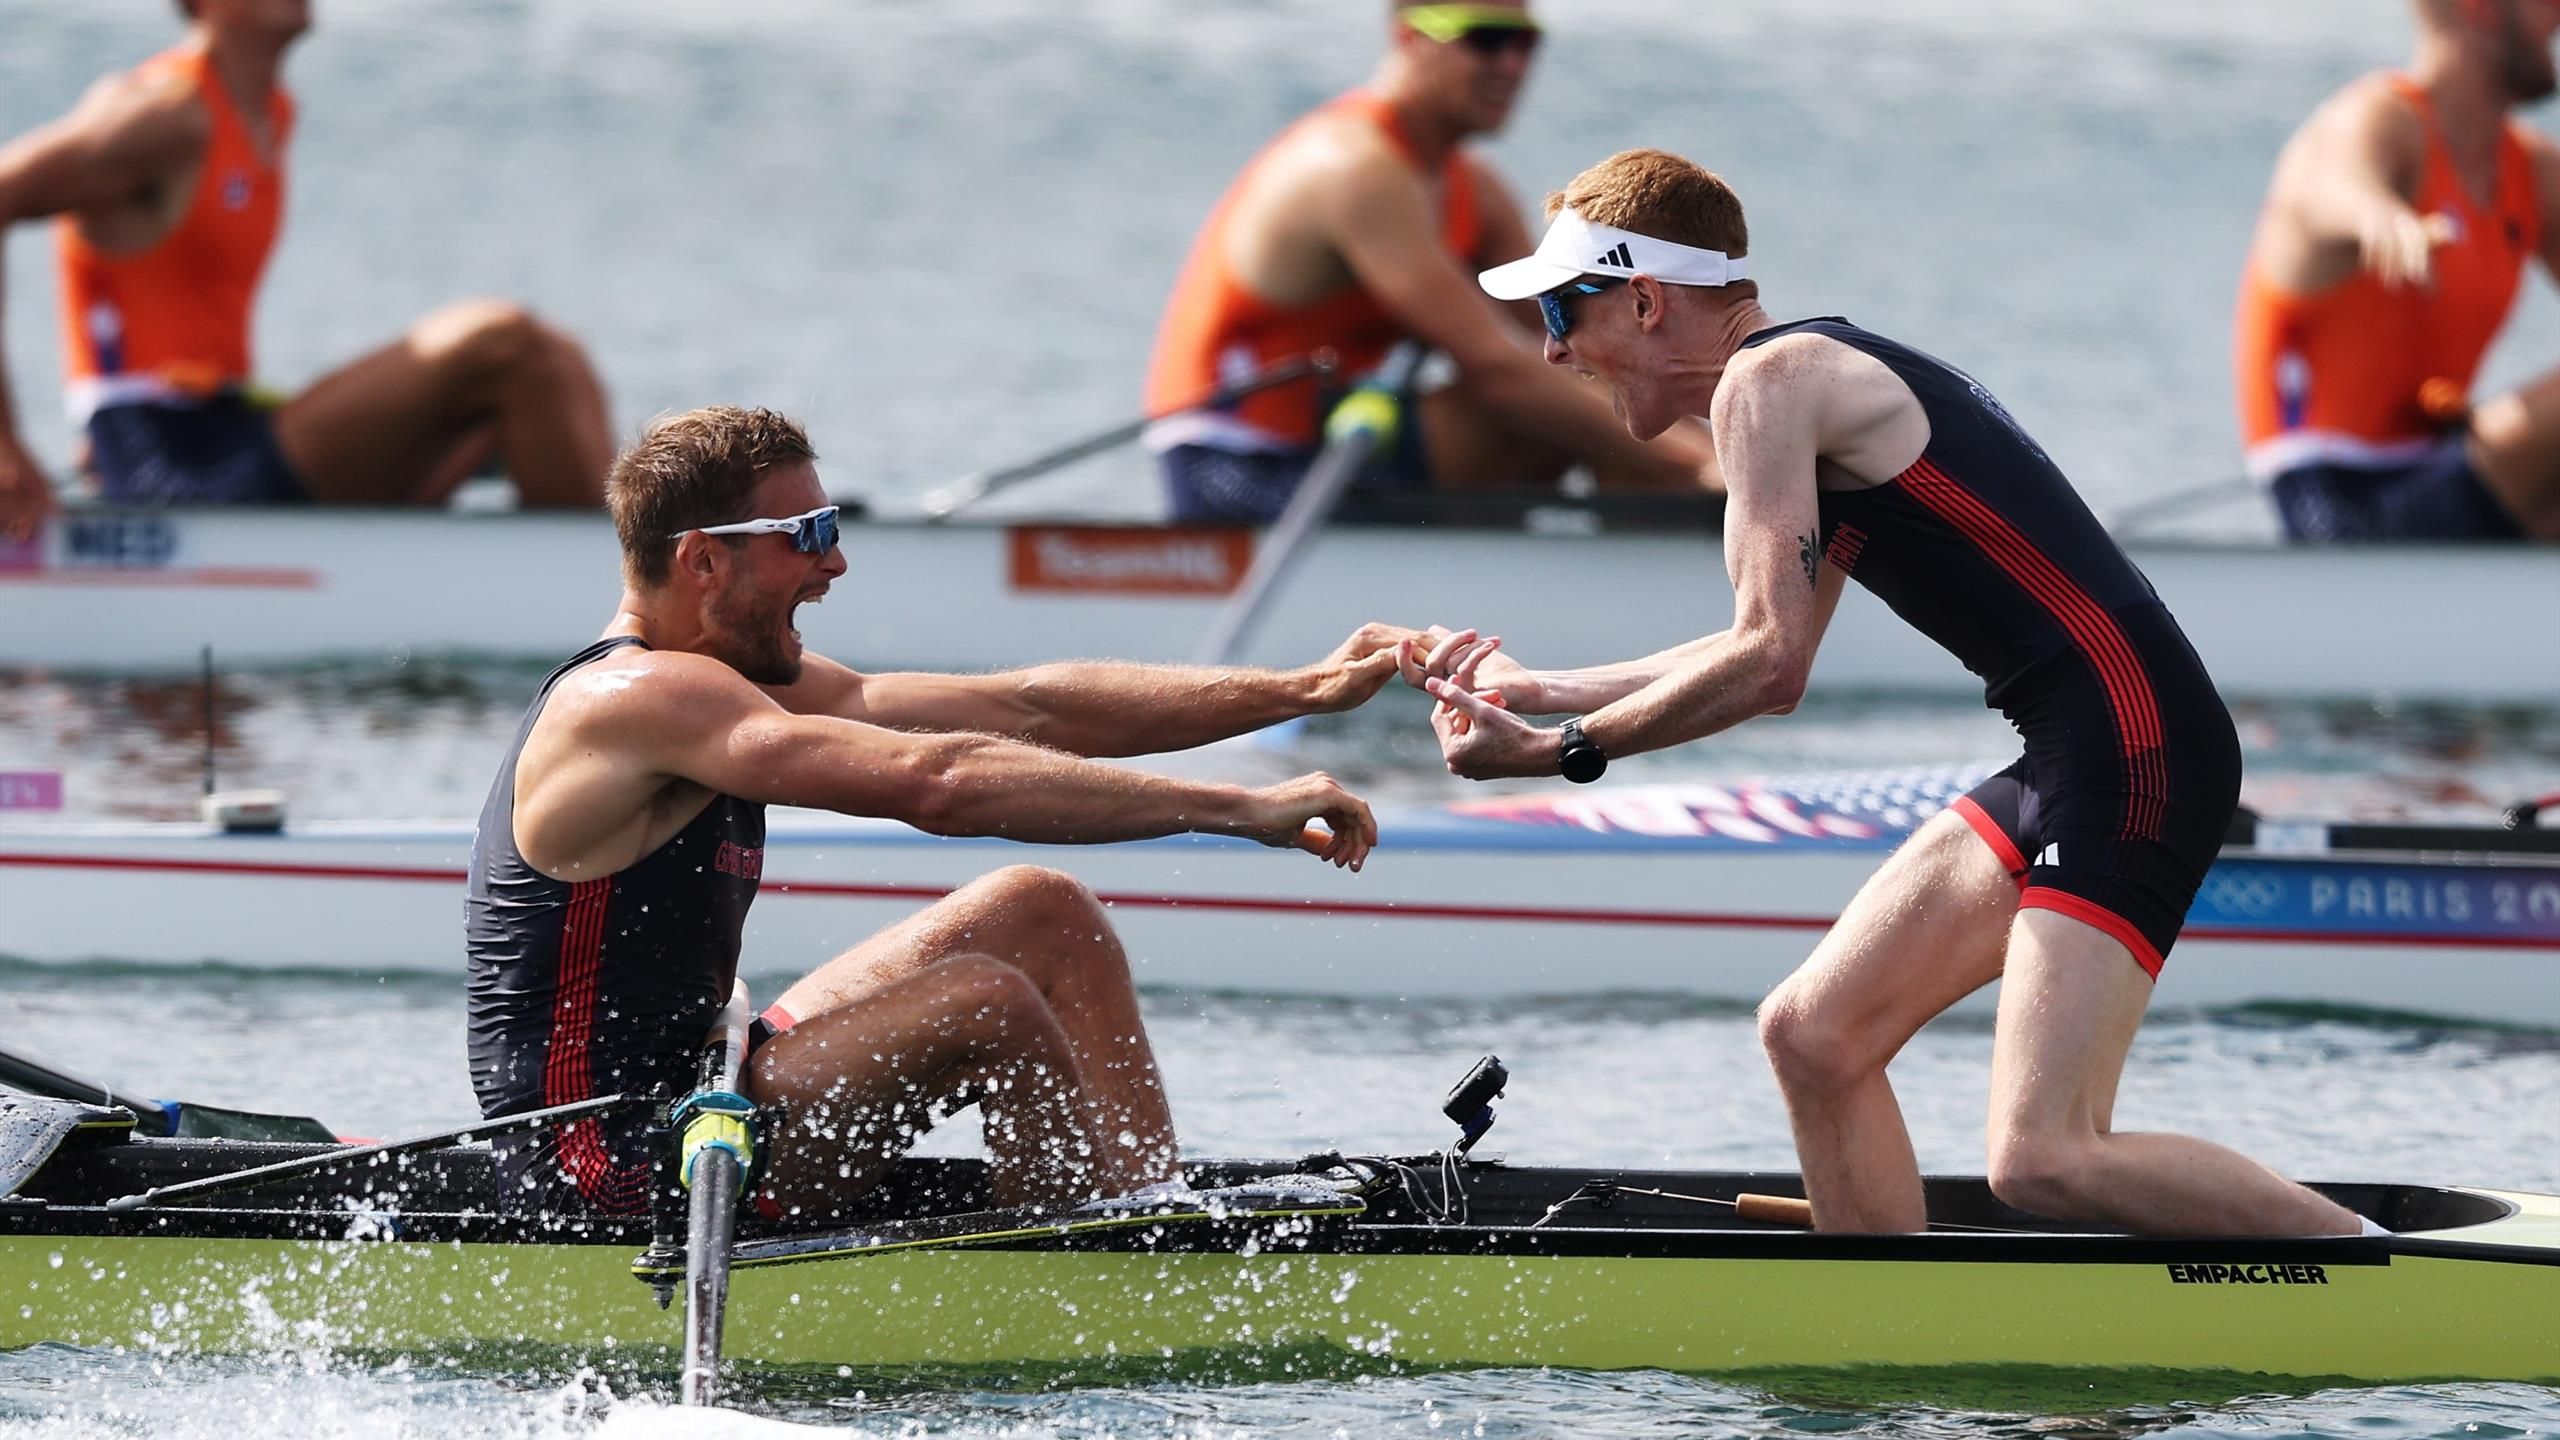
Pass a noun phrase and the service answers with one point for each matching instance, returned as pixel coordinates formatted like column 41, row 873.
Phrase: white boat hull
column 1693, row 889
column 108, row 589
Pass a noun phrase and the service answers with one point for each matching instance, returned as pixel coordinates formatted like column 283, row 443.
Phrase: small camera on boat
column 1470, row 1105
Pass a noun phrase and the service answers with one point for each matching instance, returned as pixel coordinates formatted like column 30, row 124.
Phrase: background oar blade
column 212, row 1122
column 158, row 1117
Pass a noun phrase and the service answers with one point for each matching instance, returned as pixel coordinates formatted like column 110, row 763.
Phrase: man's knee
column 2039, row 1172
column 990, row 998
column 1808, row 1047
column 1050, row 905
column 483, row 338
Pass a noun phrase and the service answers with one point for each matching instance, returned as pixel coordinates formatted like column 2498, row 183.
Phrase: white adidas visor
column 1574, row 247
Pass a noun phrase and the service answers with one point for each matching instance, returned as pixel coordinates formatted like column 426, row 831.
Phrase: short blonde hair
column 1656, row 193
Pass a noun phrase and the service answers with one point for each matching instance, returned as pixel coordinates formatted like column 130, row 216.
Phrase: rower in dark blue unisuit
column 2066, row 876
column 623, row 840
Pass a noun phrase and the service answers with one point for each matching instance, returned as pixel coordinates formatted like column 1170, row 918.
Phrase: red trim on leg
column 778, row 1019
column 2002, row 848
column 2117, row 928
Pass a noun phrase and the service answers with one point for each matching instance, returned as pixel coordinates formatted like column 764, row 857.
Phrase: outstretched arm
column 1106, row 707
column 682, row 717
column 1768, row 425
column 2344, row 184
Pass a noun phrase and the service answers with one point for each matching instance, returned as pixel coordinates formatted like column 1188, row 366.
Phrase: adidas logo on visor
column 1617, row 256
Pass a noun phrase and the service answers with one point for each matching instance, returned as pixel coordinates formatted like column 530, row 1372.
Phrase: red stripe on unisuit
column 565, row 1074
column 2092, row 630
column 2103, row 644
column 568, row 1073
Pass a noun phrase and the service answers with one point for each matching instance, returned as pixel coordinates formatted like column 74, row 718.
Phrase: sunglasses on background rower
column 813, row 533
column 1488, row 30
column 1551, row 303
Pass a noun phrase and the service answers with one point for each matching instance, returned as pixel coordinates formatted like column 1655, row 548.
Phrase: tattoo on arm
column 1812, row 560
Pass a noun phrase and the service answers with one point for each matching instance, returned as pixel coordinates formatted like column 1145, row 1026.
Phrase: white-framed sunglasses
column 813, row 533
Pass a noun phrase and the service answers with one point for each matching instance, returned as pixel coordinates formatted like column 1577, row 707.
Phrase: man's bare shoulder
column 1341, row 138
column 130, row 135
column 2367, row 111
column 1334, row 155
column 160, row 103
column 1774, row 370
column 649, row 698
column 2375, row 97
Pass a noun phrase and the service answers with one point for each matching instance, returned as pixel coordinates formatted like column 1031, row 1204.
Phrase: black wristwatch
column 1580, row 761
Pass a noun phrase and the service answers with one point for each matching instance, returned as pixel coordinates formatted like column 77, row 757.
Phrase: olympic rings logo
column 2251, row 893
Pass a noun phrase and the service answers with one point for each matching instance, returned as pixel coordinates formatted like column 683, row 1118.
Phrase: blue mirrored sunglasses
column 1551, row 303
column 813, row 533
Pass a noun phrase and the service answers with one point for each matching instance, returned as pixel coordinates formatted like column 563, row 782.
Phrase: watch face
column 1583, row 763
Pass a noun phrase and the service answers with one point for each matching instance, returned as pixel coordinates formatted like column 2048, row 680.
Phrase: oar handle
column 1774, row 1210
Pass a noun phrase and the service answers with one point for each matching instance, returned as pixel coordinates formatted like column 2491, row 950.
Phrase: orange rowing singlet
column 2334, row 378
column 174, row 319
column 1217, row 330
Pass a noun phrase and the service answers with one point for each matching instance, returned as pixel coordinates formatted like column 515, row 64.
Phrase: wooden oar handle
column 1774, row 1210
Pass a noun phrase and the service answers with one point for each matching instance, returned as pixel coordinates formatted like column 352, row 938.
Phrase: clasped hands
column 1480, row 694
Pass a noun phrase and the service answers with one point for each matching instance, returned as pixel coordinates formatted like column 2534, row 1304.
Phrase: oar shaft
column 161, row 1118
column 1342, row 461
column 968, row 490
column 352, row 1156
column 706, row 1301
column 2137, row 517
column 711, row 1217
column 1785, row 1209
column 37, row 1078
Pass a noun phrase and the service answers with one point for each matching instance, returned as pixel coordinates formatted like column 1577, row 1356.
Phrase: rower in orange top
column 2386, row 260
column 167, row 184
column 1358, row 227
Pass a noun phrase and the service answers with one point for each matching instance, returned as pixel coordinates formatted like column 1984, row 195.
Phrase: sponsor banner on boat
column 133, row 548
column 1107, row 560
column 2396, row 899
